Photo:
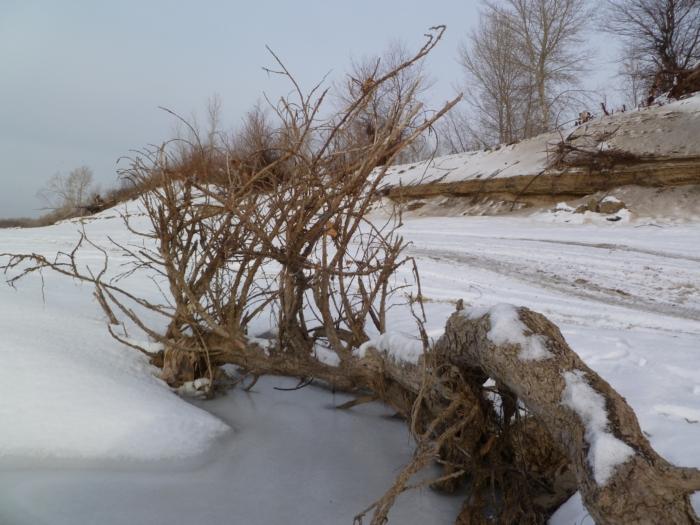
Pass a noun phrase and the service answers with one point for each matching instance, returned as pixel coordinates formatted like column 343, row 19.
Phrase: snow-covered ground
column 668, row 131
column 88, row 435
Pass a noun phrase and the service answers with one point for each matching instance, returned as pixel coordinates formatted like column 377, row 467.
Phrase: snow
column 626, row 297
column 291, row 458
column 196, row 389
column 670, row 131
column 396, row 345
column 86, row 427
column 567, row 215
column 507, row 328
column 606, row 452
column 326, row 355
column 69, row 392
column 691, row 415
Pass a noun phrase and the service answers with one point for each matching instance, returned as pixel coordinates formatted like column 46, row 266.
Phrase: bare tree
column 524, row 64
column 551, row 33
column 68, row 192
column 455, row 134
column 500, row 88
column 662, row 36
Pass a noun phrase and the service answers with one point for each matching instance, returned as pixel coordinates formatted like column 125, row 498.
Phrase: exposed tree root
column 523, row 449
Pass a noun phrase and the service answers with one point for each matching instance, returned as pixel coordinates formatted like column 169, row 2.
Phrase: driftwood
column 535, row 449
column 643, row 489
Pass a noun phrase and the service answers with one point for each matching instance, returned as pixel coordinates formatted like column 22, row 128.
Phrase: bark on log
column 644, row 488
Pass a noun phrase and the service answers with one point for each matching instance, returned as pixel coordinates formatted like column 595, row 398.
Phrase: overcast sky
column 80, row 81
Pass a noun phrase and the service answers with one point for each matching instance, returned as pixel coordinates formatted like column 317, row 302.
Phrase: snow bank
column 606, row 451
column 507, row 328
column 395, row 345
column 668, row 131
column 89, row 399
column 67, row 389
column 563, row 213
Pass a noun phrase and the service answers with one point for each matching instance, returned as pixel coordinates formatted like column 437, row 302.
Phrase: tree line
column 525, row 62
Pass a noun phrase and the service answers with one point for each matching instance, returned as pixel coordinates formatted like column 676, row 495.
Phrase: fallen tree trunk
column 621, row 478
column 555, row 427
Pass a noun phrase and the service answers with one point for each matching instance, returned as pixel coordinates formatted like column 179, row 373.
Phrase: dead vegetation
column 286, row 234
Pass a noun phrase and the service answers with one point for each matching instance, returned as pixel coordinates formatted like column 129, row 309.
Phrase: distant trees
column 499, row 82
column 523, row 65
column 67, row 192
column 379, row 115
column 662, row 38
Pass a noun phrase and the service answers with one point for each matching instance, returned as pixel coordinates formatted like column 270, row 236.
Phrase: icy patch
column 606, row 451
column 507, row 328
column 395, row 345
column 611, row 198
column 695, row 502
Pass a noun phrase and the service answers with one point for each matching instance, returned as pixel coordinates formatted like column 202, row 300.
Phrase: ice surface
column 292, row 458
column 606, row 451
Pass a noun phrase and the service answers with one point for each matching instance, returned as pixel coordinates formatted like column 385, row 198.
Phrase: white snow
column 695, row 502
column 326, row 356
column 67, row 391
column 395, row 345
column 507, row 328
column 567, row 215
column 670, row 130
column 691, row 415
column 196, row 389
column 626, row 297
column 606, row 452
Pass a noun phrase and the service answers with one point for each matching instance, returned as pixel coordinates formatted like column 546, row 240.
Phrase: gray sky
column 81, row 80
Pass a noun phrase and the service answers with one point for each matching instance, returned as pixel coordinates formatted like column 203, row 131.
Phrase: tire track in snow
column 608, row 246
column 552, row 281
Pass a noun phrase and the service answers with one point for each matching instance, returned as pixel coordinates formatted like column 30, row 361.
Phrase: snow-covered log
column 621, row 478
column 575, row 419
